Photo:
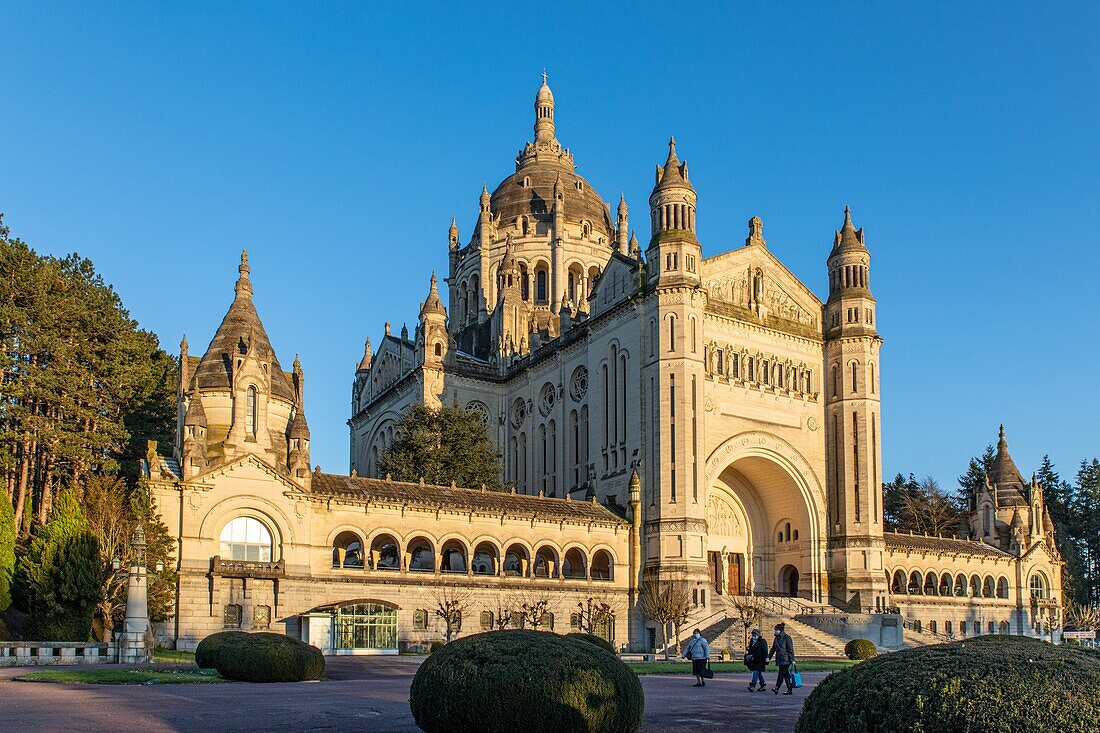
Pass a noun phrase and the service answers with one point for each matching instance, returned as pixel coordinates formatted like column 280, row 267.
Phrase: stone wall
column 37, row 653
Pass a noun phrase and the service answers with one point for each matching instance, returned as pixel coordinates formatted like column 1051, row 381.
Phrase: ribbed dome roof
column 513, row 199
column 240, row 331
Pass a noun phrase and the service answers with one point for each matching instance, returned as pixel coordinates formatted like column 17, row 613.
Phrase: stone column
column 133, row 648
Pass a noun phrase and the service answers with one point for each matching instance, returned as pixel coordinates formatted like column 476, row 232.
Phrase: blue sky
column 336, row 141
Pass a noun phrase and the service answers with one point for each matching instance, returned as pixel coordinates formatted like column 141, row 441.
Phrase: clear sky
column 335, row 142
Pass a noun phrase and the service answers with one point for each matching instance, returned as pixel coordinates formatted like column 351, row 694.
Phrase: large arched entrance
column 765, row 519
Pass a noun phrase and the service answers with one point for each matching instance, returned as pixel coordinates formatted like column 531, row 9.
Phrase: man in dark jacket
column 756, row 659
column 783, row 651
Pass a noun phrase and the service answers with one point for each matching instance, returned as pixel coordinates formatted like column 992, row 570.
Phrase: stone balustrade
column 37, row 653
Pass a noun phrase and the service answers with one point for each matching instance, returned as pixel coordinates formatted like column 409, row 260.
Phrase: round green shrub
column 268, row 657
column 207, row 650
column 996, row 684
column 593, row 639
column 1071, row 642
column 534, row 681
column 860, row 649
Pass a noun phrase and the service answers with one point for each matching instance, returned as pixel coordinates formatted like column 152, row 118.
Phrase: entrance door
column 735, row 574
column 788, row 580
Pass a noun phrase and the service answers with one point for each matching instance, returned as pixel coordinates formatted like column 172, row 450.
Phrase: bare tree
column 595, row 612
column 667, row 602
column 928, row 510
column 503, row 613
column 536, row 607
column 749, row 610
column 450, row 603
column 1082, row 618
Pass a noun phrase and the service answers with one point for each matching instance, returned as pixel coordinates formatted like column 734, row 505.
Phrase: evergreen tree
column 1060, row 499
column 7, row 550
column 1087, row 509
column 79, row 377
column 77, row 578
column 896, row 495
column 442, row 446
column 973, row 480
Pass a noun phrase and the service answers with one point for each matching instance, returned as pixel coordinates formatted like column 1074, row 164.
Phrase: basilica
column 660, row 415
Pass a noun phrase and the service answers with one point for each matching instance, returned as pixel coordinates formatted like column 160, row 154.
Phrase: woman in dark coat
column 756, row 659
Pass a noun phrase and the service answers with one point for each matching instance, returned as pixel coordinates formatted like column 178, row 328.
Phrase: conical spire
column 1004, row 471
column 365, row 362
column 452, row 234
column 673, row 173
column 433, row 304
column 848, row 238
column 196, row 416
column 243, row 288
column 622, row 205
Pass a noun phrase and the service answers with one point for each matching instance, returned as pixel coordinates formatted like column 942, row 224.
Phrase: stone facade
column 716, row 421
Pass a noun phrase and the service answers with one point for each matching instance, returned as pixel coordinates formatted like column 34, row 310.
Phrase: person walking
column 698, row 651
column 756, row 659
column 783, row 651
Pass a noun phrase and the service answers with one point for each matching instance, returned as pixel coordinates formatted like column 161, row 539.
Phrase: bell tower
column 853, row 437
column 673, row 380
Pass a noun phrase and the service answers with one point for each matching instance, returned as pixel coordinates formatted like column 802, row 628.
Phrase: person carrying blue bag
column 783, row 651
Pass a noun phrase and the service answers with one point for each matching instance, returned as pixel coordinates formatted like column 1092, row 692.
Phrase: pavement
column 361, row 694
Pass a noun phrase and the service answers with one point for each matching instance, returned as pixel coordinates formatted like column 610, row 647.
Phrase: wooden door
column 735, row 575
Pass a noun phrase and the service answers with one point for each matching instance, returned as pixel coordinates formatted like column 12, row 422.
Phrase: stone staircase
column 808, row 641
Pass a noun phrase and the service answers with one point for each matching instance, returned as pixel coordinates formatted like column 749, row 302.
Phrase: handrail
column 700, row 624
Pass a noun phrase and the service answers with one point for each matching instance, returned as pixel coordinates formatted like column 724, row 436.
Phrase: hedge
column 593, row 639
column 267, row 657
column 860, row 649
column 207, row 650
column 993, row 684
column 530, row 681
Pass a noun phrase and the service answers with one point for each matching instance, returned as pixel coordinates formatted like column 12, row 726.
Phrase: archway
column 788, row 581
column 764, row 513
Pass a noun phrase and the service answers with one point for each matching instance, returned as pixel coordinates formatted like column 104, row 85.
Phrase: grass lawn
column 124, row 676
column 171, row 656
column 812, row 665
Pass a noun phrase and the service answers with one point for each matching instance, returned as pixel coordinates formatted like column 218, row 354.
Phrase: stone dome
column 530, row 190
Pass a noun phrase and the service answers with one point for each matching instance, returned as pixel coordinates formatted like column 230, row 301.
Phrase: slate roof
column 240, row 329
column 490, row 502
column 925, row 543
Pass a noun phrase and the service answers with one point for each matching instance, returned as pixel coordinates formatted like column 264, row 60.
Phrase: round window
column 578, row 384
column 548, row 397
column 519, row 412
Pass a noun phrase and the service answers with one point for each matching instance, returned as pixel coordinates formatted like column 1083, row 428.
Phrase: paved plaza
column 361, row 694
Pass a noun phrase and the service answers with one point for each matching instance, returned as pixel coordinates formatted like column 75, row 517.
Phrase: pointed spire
column 452, row 234
column 243, row 287
column 196, row 415
column 484, row 197
column 1003, row 472
column 622, row 205
column 183, row 344
column 365, row 362
column 405, row 331
column 635, row 248
column 433, row 305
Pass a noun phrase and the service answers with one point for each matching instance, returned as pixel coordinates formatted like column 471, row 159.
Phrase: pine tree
column 1061, row 504
column 442, row 446
column 7, row 550
column 1087, row 508
column 971, row 482
column 77, row 576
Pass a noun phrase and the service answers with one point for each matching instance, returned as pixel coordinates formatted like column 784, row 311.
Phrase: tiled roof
column 925, row 543
column 490, row 502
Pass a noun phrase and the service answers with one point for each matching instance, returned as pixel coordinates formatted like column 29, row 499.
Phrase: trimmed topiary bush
column 860, row 649
column 594, row 640
column 531, row 681
column 207, row 650
column 996, row 684
column 268, row 657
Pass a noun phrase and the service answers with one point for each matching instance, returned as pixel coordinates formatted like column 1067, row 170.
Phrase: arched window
column 672, row 333
column 987, row 587
column 246, row 539
column 930, row 584
column 1038, row 587
column 898, row 583
column 960, row 585
column 915, row 582
column 439, row 349
column 975, row 586
column 516, row 561
column 1002, row 587
column 250, row 411
column 1003, row 628
column 836, row 381
column 546, row 563
column 540, row 286
column 854, row 366
column 694, row 335
column 452, row 557
column 485, row 560
column 421, row 555
column 945, row 584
